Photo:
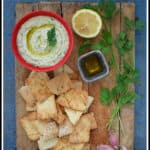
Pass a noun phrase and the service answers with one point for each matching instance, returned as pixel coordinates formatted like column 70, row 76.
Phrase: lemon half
column 86, row 23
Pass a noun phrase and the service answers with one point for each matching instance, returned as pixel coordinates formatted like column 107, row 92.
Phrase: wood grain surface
column 127, row 112
column 102, row 113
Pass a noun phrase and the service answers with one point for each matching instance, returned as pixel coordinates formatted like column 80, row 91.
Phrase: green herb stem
column 122, row 92
column 115, row 62
column 113, row 116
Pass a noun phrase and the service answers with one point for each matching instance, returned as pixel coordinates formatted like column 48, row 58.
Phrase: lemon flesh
column 86, row 23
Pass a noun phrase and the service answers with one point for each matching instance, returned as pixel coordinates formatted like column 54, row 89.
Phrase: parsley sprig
column 123, row 44
column 122, row 91
column 105, row 43
column 51, row 37
column 133, row 25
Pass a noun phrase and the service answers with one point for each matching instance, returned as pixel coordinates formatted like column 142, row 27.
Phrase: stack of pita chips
column 57, row 111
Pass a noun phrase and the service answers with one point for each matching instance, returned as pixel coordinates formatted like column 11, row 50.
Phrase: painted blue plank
column 9, row 75
column 9, row 80
column 140, row 106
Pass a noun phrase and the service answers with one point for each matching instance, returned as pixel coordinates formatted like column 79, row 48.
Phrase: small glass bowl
column 98, row 75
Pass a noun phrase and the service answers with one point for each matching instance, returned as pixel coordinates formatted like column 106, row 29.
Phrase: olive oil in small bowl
column 93, row 66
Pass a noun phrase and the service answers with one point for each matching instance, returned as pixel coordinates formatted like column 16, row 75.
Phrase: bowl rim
column 17, row 28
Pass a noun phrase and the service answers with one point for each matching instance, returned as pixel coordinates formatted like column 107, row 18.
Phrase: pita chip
column 27, row 122
column 28, row 97
column 66, row 69
column 87, row 147
column 81, row 132
column 76, row 84
column 74, row 99
column 93, row 120
column 37, row 82
column 59, row 84
column 73, row 115
column 46, row 110
column 90, row 100
column 60, row 116
column 47, row 129
column 45, row 144
column 30, row 108
column 66, row 128
column 63, row 144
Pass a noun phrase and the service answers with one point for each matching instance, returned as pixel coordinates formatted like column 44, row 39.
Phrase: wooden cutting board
column 102, row 113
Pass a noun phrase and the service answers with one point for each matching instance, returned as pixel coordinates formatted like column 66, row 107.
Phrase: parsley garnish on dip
column 51, row 37
column 42, row 41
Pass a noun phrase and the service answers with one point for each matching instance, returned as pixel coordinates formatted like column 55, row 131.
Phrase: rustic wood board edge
column 127, row 112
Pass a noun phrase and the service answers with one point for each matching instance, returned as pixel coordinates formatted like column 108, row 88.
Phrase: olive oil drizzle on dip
column 33, row 43
column 38, row 51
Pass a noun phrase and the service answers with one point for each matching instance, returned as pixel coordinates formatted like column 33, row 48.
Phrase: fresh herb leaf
column 123, row 44
column 51, row 37
column 106, row 50
column 130, row 24
column 105, row 43
column 84, row 47
column 122, row 100
column 105, row 96
column 96, row 46
column 108, row 7
column 99, row 46
column 122, row 35
column 90, row 6
column 131, row 72
column 121, row 91
column 107, row 36
column 128, row 45
column 101, row 4
column 127, row 98
column 121, row 83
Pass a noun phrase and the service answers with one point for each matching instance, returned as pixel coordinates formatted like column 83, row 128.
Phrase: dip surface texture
column 33, row 44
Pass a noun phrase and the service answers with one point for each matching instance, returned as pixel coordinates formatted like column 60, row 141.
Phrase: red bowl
column 15, row 47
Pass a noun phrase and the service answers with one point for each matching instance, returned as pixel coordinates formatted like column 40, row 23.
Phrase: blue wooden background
column 9, row 76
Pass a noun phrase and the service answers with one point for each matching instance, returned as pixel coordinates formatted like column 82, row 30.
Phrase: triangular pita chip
column 63, row 144
column 81, row 132
column 66, row 128
column 59, row 84
column 65, row 68
column 28, row 97
column 74, row 99
column 45, row 144
column 59, row 70
column 40, row 126
column 30, row 108
column 76, row 84
column 60, row 116
column 73, row 115
column 93, row 120
column 37, row 82
column 51, row 130
column 46, row 110
column 47, row 129
column 27, row 122
column 90, row 100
